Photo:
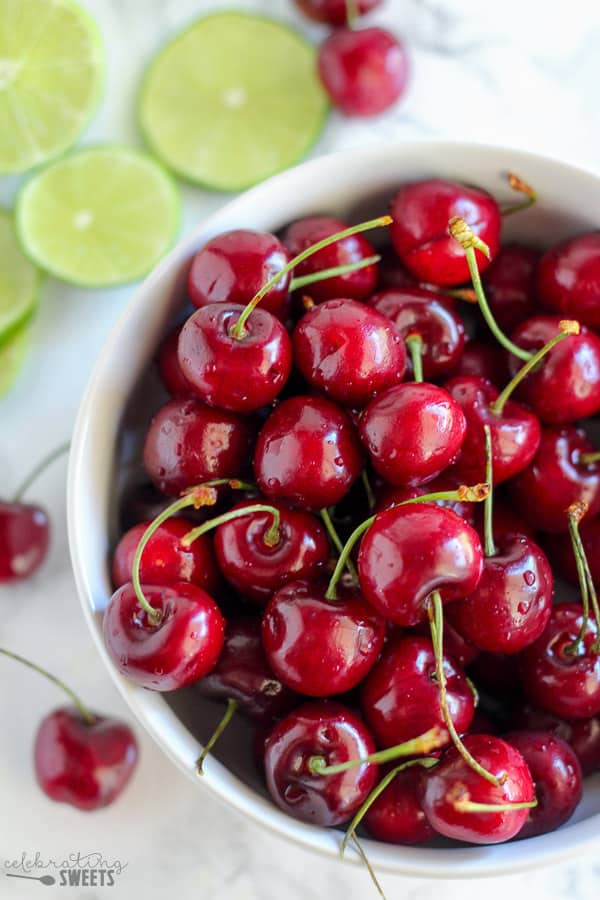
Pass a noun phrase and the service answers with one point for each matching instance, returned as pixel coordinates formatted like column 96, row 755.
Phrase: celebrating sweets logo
column 75, row 870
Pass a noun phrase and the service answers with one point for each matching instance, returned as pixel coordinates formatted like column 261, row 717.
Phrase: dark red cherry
column 556, row 775
column 165, row 560
column 393, row 496
column 410, row 551
column 232, row 267
column 256, row 569
column 84, row 764
column 396, row 816
column 320, row 647
column 511, row 605
column 327, row 730
column 412, row 432
column 560, row 550
column 568, row 279
column 240, row 375
column 355, row 285
column 24, row 539
column 188, row 442
column 507, row 522
column 486, row 361
column 555, row 679
column 417, row 311
column 307, row 453
column 583, row 735
column 496, row 674
column 509, row 283
column 515, row 431
column 168, row 366
column 364, row 70
column 566, row 385
column 348, row 351
column 183, row 647
column 400, row 699
column 392, row 274
column 452, row 781
column 557, row 478
column 334, row 12
column 242, row 673
column 422, row 210
column 455, row 645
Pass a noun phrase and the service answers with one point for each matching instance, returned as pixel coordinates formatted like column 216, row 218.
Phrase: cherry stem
column 238, row 332
column 86, row 714
column 414, row 342
column 463, row 494
column 469, row 241
column 370, row 869
column 313, row 277
column 419, row 746
column 567, row 328
column 575, row 514
column 232, row 706
column 471, row 806
column 436, row 624
column 588, row 459
column 488, row 506
column 335, row 540
column 37, row 471
column 271, row 536
column 368, row 489
column 351, row 12
column 530, row 196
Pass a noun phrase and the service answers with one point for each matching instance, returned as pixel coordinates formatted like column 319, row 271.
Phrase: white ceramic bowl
column 352, row 184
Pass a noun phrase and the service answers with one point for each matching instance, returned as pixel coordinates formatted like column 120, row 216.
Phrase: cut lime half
column 101, row 217
column 51, row 68
column 19, row 281
column 232, row 100
column 12, row 357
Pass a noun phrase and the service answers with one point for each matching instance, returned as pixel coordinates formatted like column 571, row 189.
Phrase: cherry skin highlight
column 509, row 283
column 24, row 540
column 396, row 816
column 568, row 279
column 334, row 12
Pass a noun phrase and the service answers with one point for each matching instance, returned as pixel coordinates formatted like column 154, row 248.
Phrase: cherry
column 417, row 311
column 455, row 646
column 451, row 791
column 232, row 267
column 560, row 550
column 179, row 646
column 556, row 775
column 364, row 70
column 392, row 496
column 583, row 735
column 326, row 730
column 396, row 815
column 348, row 351
column 165, row 560
column 257, row 569
column 486, row 361
column 509, row 282
column 86, row 764
column 507, row 522
column 392, row 274
column 320, row 647
column 24, row 540
column 236, row 374
column 568, row 278
column 168, row 366
column 334, row 12
column 188, row 442
column 400, row 696
column 307, row 453
column 412, row 432
column 421, row 211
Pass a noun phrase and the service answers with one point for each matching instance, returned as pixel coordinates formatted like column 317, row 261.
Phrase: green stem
column 488, row 506
column 303, row 281
column 351, row 12
column 414, row 342
column 474, row 807
column 419, row 746
column 517, row 184
column 574, row 514
column 368, row 489
column 588, row 459
column 86, row 714
column 232, row 706
column 271, row 536
column 370, row 868
column 335, row 540
column 40, row 467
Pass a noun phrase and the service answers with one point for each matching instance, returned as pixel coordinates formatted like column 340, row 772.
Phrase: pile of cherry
column 417, row 678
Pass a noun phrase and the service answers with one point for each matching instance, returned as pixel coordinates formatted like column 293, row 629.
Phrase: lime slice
column 100, row 217
column 51, row 66
column 232, row 100
column 19, row 281
column 12, row 357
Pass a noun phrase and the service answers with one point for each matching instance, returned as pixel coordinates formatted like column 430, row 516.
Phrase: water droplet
column 339, row 461
column 273, row 483
column 529, row 577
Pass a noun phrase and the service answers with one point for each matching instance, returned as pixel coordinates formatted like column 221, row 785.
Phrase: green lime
column 100, row 217
column 51, row 68
column 19, row 281
column 12, row 357
column 232, row 100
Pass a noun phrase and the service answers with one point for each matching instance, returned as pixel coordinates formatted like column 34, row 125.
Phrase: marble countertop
column 521, row 74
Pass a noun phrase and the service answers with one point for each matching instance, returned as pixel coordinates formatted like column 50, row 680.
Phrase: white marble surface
column 520, row 73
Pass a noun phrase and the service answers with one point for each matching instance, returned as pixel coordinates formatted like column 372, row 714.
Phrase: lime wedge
column 19, row 281
column 51, row 67
column 99, row 217
column 12, row 357
column 232, row 100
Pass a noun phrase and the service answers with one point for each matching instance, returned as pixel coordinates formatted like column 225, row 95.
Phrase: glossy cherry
column 568, row 278
column 327, row 730
column 509, row 283
column 84, row 764
column 24, row 540
column 183, row 647
column 334, row 12
column 396, row 816
column 487, row 361
column 421, row 212
column 168, row 366
column 560, row 550
column 348, row 351
column 583, row 735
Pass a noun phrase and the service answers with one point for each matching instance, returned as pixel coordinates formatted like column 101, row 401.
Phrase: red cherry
column 24, row 539
column 232, row 267
column 421, row 212
column 84, row 764
column 356, row 285
column 168, row 366
column 320, row 647
column 393, row 496
column 396, row 816
column 327, row 730
column 392, row 274
column 449, row 560
column 455, row 646
column 583, row 735
column 444, row 787
column 188, row 443
column 183, row 647
column 307, row 453
column 557, row 778
column 364, row 70
column 560, row 550
column 165, row 560
column 334, row 12
column 486, row 361
column 256, row 569
column 412, row 432
column 568, row 279
column 509, row 283
column 400, row 696
column 507, row 522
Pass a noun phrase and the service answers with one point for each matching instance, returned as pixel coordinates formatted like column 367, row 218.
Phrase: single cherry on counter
column 24, row 540
column 334, row 12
